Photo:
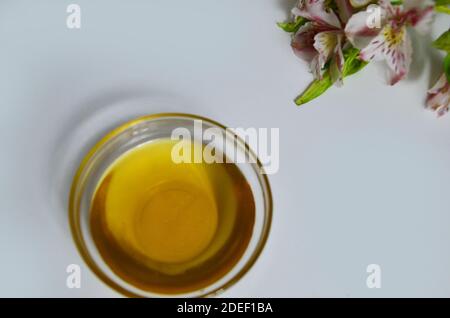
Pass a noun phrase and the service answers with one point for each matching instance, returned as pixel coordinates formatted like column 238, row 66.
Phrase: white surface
column 364, row 174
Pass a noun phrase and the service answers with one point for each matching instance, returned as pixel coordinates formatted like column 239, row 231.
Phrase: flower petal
column 439, row 96
column 337, row 65
column 394, row 46
column 359, row 31
column 374, row 51
column 345, row 10
column 438, row 103
column 325, row 43
column 388, row 8
column 441, row 111
column 303, row 42
column 398, row 57
column 315, row 67
column 315, row 10
column 439, row 85
column 413, row 4
column 421, row 19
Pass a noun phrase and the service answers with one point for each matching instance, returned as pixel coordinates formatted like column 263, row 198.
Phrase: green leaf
column 292, row 27
column 442, row 9
column 442, row 2
column 443, row 42
column 447, row 67
column 442, row 6
column 317, row 88
column 352, row 65
column 352, row 62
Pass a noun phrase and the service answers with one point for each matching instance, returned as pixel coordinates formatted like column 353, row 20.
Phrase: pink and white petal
column 440, row 85
column 296, row 12
column 441, row 111
column 422, row 20
column 358, row 31
column 374, row 51
column 325, row 44
column 345, row 10
column 337, row 65
column 299, row 6
column 315, row 67
column 415, row 4
column 303, row 42
column 315, row 10
column 439, row 96
column 389, row 9
column 396, row 76
column 434, row 101
column 387, row 6
column 438, row 102
column 398, row 58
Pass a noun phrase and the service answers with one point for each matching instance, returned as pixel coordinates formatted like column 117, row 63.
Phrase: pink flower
column 319, row 40
column 390, row 40
column 439, row 96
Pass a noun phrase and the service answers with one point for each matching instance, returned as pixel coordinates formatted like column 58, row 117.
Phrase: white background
column 364, row 174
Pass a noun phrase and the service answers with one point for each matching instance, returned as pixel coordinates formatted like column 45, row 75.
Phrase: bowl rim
column 76, row 230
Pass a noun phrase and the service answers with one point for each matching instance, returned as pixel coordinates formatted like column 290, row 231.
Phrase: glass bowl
column 132, row 134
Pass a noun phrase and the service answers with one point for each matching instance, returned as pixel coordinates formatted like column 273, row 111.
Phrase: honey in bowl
column 167, row 227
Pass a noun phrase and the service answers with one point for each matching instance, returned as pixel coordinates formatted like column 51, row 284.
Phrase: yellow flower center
column 393, row 36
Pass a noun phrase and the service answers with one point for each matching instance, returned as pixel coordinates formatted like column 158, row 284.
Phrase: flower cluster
column 337, row 38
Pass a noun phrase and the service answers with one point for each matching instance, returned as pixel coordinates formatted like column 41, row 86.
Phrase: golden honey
column 169, row 227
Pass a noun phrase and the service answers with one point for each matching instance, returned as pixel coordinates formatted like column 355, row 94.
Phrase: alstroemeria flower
column 439, row 96
column 390, row 40
column 319, row 40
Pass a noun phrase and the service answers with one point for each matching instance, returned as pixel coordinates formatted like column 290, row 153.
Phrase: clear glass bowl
column 133, row 134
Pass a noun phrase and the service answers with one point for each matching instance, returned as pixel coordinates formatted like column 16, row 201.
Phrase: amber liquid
column 171, row 228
